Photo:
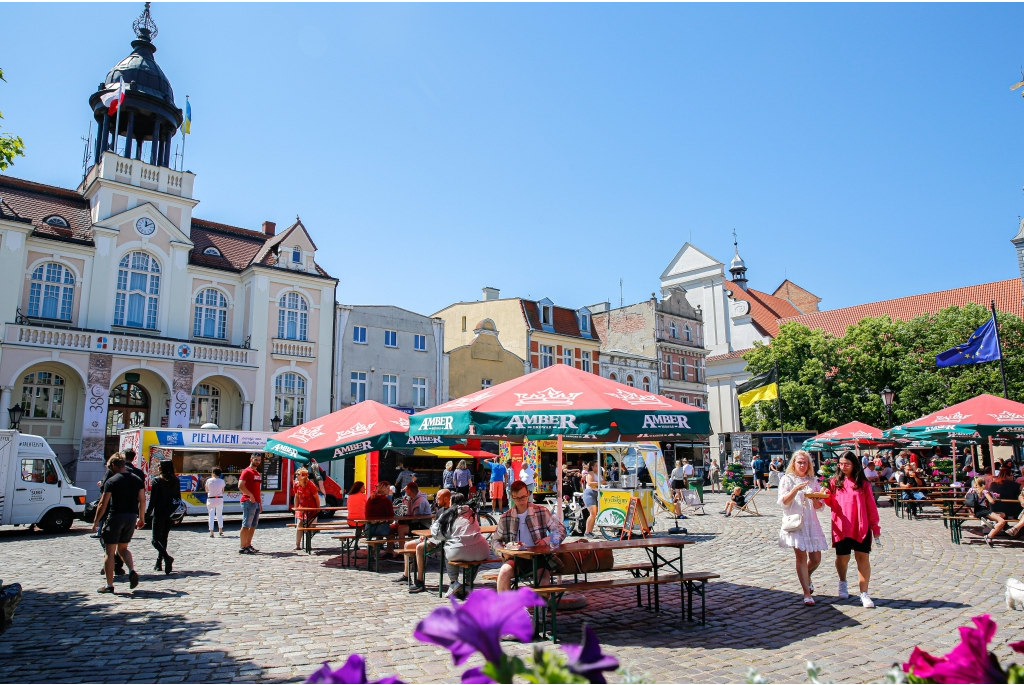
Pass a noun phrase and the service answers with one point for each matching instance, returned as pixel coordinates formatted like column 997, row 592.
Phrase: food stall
column 196, row 452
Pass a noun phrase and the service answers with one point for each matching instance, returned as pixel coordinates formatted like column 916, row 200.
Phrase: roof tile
column 765, row 309
column 37, row 201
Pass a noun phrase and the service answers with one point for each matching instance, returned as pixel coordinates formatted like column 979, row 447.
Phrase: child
column 215, row 501
column 734, row 501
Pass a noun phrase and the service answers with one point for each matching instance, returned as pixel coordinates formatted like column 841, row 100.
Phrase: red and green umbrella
column 563, row 400
column 365, row 427
column 852, row 433
column 979, row 417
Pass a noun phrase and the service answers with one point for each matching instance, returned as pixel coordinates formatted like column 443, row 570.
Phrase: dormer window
column 296, row 255
column 212, row 251
column 546, row 315
column 57, row 220
column 585, row 322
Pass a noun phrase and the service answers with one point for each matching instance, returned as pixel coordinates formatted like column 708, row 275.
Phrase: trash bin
column 698, row 485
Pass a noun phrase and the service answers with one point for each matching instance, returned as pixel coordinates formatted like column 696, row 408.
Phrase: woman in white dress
column 805, row 536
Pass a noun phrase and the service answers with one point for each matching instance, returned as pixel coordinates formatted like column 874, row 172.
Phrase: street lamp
column 16, row 412
column 887, row 397
column 275, row 423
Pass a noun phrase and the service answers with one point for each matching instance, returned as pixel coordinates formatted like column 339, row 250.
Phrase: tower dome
column 737, row 267
column 148, row 113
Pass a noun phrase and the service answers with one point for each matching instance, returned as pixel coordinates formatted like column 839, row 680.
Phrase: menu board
column 741, row 448
column 271, row 471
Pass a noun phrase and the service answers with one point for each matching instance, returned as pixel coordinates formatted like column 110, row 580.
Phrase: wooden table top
column 427, row 533
column 593, row 546
column 397, row 519
column 320, row 509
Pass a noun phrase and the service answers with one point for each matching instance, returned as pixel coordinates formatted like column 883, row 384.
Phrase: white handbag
column 792, row 522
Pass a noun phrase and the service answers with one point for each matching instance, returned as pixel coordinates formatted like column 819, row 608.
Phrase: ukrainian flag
column 186, row 126
column 759, row 388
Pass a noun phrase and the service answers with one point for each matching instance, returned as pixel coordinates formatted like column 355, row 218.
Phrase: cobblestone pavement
column 274, row 617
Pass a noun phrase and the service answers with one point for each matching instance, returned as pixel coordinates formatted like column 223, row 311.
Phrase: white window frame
column 133, row 265
column 567, row 357
column 210, row 306
column 358, row 386
column 52, row 280
column 585, row 323
column 547, row 315
column 295, row 396
column 419, row 392
column 672, row 330
column 613, row 377
column 547, row 356
column 292, row 310
column 647, row 383
column 48, row 394
column 419, row 342
column 393, row 336
column 208, row 396
column 389, row 393
column 296, row 255
column 486, row 383
column 585, row 363
column 687, row 332
column 629, row 380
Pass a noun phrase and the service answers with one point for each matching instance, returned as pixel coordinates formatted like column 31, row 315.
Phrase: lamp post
column 275, row 423
column 15, row 412
column 887, row 397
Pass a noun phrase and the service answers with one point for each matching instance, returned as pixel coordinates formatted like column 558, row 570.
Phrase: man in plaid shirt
column 528, row 524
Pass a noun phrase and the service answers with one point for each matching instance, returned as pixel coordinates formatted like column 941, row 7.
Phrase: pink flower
column 969, row 662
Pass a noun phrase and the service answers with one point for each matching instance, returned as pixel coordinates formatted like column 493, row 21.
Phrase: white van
column 34, row 489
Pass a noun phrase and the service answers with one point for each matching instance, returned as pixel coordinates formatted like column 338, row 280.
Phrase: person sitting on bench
column 736, row 500
column 380, row 512
column 442, row 500
column 528, row 524
column 981, row 501
column 458, row 530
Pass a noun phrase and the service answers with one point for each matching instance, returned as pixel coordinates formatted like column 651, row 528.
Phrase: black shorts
column 847, row 545
column 118, row 529
column 679, row 484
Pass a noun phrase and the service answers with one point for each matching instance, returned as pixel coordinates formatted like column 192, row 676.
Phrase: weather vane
column 144, row 26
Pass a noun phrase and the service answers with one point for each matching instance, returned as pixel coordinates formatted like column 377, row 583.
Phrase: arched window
column 128, row 407
column 613, row 377
column 42, row 395
column 672, row 331
column 205, row 405
column 629, row 381
column 138, row 291
column 57, row 220
column 212, row 251
column 290, row 399
column 292, row 318
column 647, row 384
column 211, row 316
column 688, row 332
column 52, row 292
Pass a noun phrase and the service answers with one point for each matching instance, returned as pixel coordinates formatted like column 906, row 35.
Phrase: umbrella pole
column 558, row 478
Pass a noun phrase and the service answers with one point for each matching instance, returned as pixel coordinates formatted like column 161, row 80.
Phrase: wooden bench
column 373, row 546
column 470, row 569
column 956, row 523
column 689, row 583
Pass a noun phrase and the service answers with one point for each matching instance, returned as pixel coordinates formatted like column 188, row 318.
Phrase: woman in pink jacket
column 854, row 522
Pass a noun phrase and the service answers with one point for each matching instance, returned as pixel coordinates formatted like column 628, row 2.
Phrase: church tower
column 148, row 116
column 737, row 267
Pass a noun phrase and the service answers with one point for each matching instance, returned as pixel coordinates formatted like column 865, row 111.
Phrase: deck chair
column 692, row 503
column 749, row 505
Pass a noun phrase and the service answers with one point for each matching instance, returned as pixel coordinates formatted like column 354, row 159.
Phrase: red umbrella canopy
column 985, row 414
column 358, row 429
column 562, row 400
column 854, row 431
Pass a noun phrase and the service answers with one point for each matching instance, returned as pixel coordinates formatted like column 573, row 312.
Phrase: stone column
column 156, row 143
column 128, row 135
column 104, row 135
column 246, row 416
column 5, row 402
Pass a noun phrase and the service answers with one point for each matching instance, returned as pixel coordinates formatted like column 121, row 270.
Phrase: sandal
column 808, row 601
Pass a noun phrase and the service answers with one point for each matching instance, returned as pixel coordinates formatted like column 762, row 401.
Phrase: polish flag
column 112, row 99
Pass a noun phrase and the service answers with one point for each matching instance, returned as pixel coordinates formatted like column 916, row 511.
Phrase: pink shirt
column 854, row 513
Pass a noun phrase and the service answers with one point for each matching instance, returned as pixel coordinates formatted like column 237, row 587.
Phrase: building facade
column 482, row 363
column 656, row 345
column 123, row 309
column 539, row 332
column 390, row 355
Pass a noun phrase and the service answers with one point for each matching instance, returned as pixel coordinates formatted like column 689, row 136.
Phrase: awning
column 454, row 453
column 209, row 448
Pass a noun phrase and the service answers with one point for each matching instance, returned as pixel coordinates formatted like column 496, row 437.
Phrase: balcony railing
column 298, row 349
column 138, row 173
column 135, row 346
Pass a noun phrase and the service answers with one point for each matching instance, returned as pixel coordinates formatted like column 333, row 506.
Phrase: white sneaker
column 843, row 592
column 865, row 601
column 453, row 588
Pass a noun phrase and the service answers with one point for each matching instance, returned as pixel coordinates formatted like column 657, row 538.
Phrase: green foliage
column 545, row 666
column 828, row 381
column 732, row 477
column 11, row 146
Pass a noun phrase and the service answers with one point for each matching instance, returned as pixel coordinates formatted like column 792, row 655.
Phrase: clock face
column 145, row 226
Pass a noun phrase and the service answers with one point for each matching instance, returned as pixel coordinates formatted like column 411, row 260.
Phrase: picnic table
column 359, row 524
column 652, row 546
column 899, row 505
column 423, row 533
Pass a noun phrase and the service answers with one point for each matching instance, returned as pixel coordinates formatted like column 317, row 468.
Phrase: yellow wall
column 484, row 358
column 507, row 316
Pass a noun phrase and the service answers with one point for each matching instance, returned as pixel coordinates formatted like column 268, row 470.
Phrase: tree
column 828, row 381
column 11, row 146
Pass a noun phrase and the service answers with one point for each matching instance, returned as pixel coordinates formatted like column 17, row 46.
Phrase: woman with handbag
column 854, row 522
column 164, row 499
column 800, row 528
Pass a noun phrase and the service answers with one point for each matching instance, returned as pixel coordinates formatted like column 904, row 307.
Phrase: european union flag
column 982, row 346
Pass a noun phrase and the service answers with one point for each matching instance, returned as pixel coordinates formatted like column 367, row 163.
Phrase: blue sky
column 865, row 151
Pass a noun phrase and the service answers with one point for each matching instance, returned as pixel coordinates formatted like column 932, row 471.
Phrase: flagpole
column 184, row 136
column 117, row 121
column 778, row 400
column 1002, row 369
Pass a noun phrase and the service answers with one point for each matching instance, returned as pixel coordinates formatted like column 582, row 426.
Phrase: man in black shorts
column 124, row 503
column 129, row 463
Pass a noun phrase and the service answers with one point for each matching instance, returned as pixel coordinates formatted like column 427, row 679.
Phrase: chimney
column 269, row 228
column 491, row 293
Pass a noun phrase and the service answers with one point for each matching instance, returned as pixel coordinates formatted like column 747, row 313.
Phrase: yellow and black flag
column 762, row 387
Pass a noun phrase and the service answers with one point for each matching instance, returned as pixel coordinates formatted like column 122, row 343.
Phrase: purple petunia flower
column 353, row 671
column 476, row 675
column 969, row 662
column 586, row 659
column 478, row 624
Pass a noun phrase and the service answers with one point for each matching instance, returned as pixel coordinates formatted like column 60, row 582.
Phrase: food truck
column 195, row 452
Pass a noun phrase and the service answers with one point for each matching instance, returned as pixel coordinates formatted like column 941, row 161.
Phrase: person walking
column 215, row 501
column 305, row 496
column 497, row 483
column 448, row 477
column 854, row 522
column 405, row 476
column 678, row 482
column 129, row 461
column 122, row 509
column 590, row 496
column 164, row 496
column 801, row 530
column 249, row 483
column 463, row 477
column 715, row 474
